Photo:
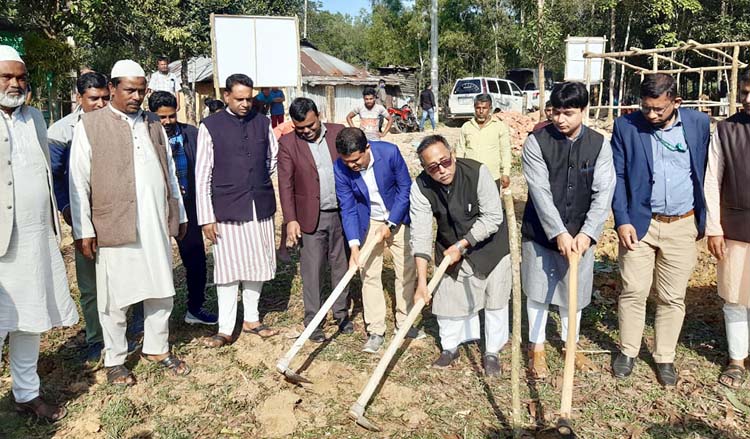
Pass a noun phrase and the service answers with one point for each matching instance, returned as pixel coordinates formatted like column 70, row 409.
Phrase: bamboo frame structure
column 728, row 63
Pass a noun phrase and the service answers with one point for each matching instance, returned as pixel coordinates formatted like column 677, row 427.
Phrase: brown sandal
column 261, row 331
column 173, row 364
column 42, row 410
column 216, row 341
column 120, row 376
column 537, row 369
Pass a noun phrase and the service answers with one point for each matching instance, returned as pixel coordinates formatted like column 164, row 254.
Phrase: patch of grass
column 118, row 415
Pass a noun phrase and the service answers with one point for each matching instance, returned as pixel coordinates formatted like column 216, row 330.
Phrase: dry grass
column 235, row 392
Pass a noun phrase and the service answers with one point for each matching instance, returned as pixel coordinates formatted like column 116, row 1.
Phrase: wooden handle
column 566, row 400
column 377, row 375
column 364, row 255
column 515, row 356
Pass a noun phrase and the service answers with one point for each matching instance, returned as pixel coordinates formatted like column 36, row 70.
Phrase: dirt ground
column 235, row 391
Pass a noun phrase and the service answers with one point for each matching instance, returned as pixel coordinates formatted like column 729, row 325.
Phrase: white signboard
column 264, row 48
column 575, row 63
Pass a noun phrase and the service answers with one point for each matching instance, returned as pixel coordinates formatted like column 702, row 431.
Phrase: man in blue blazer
column 660, row 160
column 372, row 185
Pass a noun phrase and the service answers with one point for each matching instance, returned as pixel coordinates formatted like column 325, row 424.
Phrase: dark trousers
column 193, row 255
column 327, row 243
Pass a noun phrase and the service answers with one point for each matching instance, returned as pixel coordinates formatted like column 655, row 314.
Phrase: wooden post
column 331, row 103
column 587, row 76
column 655, row 63
column 599, row 101
column 733, row 82
column 700, row 84
column 214, row 62
column 541, row 80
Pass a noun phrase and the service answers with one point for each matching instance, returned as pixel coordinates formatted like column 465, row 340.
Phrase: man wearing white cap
column 34, row 294
column 126, row 203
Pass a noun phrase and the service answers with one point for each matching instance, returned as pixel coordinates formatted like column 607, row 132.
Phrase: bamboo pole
column 626, row 64
column 720, row 52
column 214, row 61
column 700, row 84
column 655, row 62
column 733, row 82
column 666, row 50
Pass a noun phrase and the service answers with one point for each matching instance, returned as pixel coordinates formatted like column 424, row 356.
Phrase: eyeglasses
column 435, row 167
column 657, row 110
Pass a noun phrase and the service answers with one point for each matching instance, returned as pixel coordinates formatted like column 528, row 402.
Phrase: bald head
column 13, row 83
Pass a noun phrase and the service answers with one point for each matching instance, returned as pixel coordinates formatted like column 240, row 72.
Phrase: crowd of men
column 128, row 181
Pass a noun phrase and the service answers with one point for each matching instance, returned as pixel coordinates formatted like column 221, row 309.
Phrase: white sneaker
column 374, row 343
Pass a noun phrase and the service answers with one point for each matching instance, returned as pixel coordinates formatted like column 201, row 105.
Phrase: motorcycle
column 404, row 120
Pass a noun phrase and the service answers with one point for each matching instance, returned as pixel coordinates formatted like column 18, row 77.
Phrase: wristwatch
column 392, row 227
column 461, row 248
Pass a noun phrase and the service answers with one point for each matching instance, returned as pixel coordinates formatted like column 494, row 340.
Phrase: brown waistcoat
column 734, row 134
column 113, row 194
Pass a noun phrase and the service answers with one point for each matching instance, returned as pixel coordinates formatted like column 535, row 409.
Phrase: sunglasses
column 435, row 167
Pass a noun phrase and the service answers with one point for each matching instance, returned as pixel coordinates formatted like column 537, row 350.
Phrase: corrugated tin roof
column 317, row 68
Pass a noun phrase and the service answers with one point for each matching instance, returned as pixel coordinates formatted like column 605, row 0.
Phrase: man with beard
column 486, row 139
column 183, row 141
column 34, row 295
column 370, row 113
column 236, row 204
column 728, row 215
column 93, row 94
column 660, row 159
column 463, row 198
column 126, row 203
column 307, row 189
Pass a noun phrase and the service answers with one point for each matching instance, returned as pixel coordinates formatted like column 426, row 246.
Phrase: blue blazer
column 394, row 184
column 634, row 163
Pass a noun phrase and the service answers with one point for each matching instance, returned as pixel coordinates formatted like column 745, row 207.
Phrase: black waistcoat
column 456, row 211
column 571, row 174
column 240, row 175
column 734, row 136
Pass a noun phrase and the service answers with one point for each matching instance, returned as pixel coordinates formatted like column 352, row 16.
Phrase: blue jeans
column 425, row 113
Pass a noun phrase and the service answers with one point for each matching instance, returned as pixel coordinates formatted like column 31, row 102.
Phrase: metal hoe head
column 565, row 429
column 293, row 376
column 357, row 413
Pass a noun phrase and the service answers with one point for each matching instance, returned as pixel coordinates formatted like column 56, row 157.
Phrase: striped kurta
column 244, row 250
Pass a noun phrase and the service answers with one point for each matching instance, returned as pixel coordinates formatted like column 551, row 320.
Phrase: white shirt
column 161, row 82
column 378, row 211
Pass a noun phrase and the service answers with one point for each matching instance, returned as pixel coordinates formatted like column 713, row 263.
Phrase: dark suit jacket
column 190, row 143
column 634, row 163
column 299, row 185
column 394, row 183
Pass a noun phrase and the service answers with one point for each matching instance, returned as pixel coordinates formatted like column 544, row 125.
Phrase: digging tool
column 283, row 365
column 564, row 427
column 357, row 411
column 515, row 356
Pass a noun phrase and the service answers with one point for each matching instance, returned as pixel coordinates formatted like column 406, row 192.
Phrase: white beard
column 12, row 101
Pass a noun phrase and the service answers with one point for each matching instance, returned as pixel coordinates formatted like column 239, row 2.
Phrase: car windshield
column 467, row 86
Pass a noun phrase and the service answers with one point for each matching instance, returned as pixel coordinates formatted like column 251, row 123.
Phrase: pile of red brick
column 520, row 126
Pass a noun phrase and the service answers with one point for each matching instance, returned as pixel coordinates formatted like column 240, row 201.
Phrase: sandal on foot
column 260, row 330
column 733, row 376
column 42, row 410
column 216, row 341
column 537, row 369
column 173, row 364
column 120, row 376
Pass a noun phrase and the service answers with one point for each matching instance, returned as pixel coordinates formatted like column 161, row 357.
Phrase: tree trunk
column 622, row 71
column 612, row 66
column 187, row 92
column 540, row 27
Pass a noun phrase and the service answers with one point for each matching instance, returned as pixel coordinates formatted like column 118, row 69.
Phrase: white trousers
column 156, row 314
column 457, row 330
column 537, row 314
column 23, row 350
column 227, row 298
column 737, row 321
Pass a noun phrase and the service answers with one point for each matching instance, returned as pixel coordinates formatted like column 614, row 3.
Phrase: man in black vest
column 569, row 172
column 463, row 198
column 728, row 214
column 236, row 204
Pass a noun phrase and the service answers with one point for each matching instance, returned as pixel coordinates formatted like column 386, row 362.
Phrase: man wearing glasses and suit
column 660, row 160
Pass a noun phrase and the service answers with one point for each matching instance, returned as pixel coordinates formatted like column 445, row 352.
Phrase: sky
column 350, row 7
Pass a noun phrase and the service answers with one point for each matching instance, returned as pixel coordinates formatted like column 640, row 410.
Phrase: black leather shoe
column 346, row 326
column 318, row 336
column 491, row 365
column 666, row 374
column 445, row 359
column 622, row 366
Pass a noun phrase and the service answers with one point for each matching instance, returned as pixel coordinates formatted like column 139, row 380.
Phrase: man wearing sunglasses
column 307, row 190
column 462, row 196
column 728, row 214
column 569, row 172
column 372, row 186
column 660, row 159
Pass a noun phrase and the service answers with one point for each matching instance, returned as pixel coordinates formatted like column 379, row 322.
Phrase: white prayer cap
column 127, row 68
column 8, row 53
